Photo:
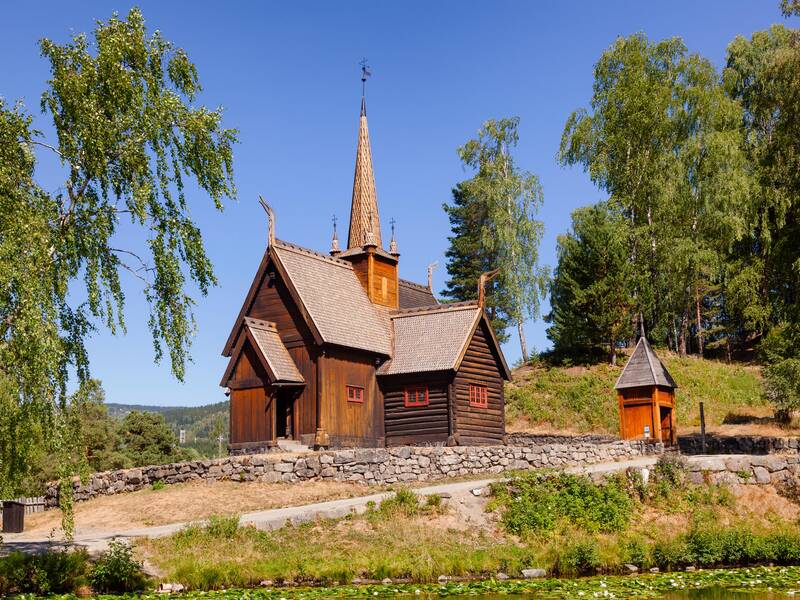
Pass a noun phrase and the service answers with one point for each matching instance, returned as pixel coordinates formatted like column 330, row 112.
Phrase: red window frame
column 478, row 396
column 416, row 395
column 355, row 394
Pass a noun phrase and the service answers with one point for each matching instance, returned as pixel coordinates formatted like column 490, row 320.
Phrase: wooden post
column 656, row 411
column 702, row 429
column 321, row 439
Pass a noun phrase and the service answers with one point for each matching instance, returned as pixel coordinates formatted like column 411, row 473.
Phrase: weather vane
column 365, row 72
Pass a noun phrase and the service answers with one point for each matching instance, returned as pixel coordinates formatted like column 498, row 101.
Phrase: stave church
column 335, row 349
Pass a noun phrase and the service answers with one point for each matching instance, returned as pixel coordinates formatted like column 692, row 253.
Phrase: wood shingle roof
column 332, row 296
column 644, row 369
column 272, row 354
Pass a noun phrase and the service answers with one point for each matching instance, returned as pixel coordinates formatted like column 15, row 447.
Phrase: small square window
column 355, row 394
column 478, row 396
column 415, row 396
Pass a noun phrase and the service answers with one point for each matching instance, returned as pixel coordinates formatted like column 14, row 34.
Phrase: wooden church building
column 646, row 397
column 337, row 350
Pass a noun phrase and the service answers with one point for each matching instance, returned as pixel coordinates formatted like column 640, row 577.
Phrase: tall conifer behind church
column 505, row 200
column 467, row 258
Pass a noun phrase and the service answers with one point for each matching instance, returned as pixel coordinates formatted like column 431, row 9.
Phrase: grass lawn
column 581, row 399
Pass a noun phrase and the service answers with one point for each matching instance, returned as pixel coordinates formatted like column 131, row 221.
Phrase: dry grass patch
column 189, row 502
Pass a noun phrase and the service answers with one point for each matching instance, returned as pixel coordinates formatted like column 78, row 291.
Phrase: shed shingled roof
column 275, row 358
column 430, row 340
column 334, row 299
column 644, row 368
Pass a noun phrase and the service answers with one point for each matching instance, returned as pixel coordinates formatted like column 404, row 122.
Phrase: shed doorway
column 666, row 424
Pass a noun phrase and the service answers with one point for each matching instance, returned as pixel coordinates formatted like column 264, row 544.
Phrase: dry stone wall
column 725, row 444
column 365, row 465
column 767, row 469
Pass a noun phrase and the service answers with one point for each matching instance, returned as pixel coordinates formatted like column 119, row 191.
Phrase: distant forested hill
column 202, row 423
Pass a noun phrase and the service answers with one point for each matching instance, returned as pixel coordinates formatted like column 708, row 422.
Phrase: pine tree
column 591, row 293
column 467, row 258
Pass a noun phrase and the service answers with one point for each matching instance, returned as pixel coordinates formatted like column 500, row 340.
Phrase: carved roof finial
column 335, row 250
column 271, row 217
column 370, row 237
column 431, row 267
column 364, row 220
column 393, row 242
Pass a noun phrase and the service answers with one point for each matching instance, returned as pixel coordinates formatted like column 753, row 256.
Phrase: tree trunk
column 728, row 348
column 699, row 322
column 522, row 344
column 684, row 330
column 612, row 351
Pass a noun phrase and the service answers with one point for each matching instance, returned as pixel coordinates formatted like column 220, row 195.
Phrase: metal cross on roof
column 365, row 72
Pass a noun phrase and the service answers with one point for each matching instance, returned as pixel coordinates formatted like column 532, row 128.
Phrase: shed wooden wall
column 273, row 302
column 479, row 366
column 416, row 424
column 350, row 423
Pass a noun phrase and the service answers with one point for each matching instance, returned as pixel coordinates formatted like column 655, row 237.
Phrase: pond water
column 723, row 594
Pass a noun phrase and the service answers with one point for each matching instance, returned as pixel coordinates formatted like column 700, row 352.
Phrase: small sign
column 647, row 431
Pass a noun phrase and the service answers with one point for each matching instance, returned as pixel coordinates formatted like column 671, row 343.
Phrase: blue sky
column 287, row 75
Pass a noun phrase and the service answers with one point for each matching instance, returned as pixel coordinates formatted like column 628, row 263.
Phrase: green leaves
column 136, row 151
column 592, row 289
column 506, row 234
column 662, row 138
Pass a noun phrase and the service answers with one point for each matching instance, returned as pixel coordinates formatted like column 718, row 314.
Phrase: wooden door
column 638, row 421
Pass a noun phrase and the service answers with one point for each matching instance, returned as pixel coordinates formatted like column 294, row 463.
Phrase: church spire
column 365, row 226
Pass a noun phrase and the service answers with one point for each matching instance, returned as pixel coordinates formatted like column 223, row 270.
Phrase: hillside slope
column 199, row 422
column 582, row 399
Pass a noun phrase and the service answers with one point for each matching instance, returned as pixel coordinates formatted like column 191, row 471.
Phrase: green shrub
column 671, row 553
column 158, row 485
column 537, row 502
column 784, row 547
column 782, row 387
column 117, row 571
column 579, row 557
column 635, row 551
column 671, row 469
column 223, row 526
column 434, row 502
column 404, row 502
column 53, row 572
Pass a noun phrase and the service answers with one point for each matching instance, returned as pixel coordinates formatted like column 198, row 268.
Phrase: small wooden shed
column 646, row 397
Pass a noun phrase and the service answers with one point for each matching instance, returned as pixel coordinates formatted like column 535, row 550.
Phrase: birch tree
column 511, row 233
column 131, row 138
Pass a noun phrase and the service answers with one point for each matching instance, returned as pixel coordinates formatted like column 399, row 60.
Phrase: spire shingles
column 365, row 226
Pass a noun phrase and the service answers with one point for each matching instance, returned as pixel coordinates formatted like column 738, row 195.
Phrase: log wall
column 415, row 425
column 473, row 425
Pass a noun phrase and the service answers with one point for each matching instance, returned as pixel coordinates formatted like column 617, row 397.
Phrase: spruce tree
column 467, row 258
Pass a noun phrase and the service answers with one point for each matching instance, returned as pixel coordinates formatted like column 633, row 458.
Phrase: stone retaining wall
column 771, row 469
column 367, row 465
column 724, row 444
